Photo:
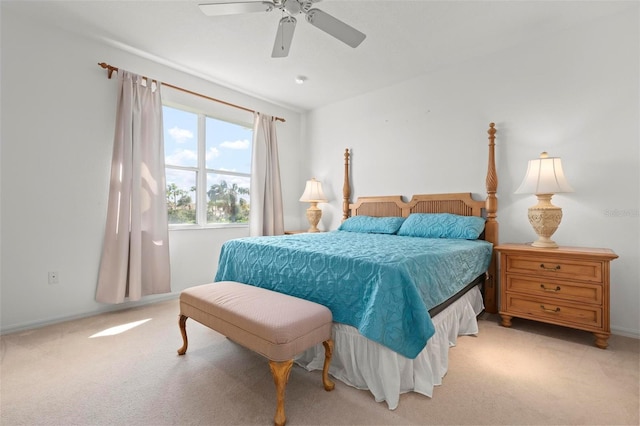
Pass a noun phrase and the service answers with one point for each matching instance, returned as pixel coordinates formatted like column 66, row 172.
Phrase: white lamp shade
column 544, row 176
column 313, row 192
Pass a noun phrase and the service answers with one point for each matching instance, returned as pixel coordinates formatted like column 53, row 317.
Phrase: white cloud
column 212, row 153
column 183, row 157
column 239, row 144
column 180, row 135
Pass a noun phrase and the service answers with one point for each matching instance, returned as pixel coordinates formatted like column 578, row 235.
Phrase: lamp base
column 545, row 218
column 313, row 216
column 544, row 243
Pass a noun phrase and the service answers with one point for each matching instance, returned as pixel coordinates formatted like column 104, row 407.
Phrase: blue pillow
column 442, row 225
column 372, row 225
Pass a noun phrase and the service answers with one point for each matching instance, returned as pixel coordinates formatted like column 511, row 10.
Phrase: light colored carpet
column 529, row 374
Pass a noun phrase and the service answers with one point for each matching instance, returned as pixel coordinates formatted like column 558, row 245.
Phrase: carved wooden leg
column 506, row 320
column 182, row 322
column 280, row 372
column 328, row 353
column 602, row 340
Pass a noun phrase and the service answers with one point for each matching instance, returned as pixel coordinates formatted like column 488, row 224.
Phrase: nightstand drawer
column 582, row 270
column 556, row 313
column 555, row 289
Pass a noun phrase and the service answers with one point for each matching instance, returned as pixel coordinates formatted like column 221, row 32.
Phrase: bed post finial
column 491, row 226
column 346, row 189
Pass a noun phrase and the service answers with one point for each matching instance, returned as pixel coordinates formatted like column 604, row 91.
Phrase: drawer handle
column 554, row 311
column 546, row 268
column 553, row 290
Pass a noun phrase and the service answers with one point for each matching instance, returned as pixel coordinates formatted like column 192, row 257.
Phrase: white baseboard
column 626, row 332
column 619, row 331
column 109, row 308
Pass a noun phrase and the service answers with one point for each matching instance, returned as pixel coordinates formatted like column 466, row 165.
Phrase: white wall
column 574, row 94
column 58, row 112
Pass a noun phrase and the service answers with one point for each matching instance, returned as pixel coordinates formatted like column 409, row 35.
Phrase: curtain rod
column 111, row 69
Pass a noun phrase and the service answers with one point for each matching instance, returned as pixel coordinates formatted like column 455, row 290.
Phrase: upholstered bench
column 275, row 325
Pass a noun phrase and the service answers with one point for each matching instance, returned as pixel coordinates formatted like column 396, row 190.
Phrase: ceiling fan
column 322, row 20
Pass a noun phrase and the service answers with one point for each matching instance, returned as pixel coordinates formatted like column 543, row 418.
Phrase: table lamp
column 313, row 194
column 544, row 178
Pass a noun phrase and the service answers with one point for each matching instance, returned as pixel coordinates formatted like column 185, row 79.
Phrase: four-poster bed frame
column 456, row 203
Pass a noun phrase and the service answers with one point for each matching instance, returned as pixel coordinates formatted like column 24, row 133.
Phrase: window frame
column 192, row 105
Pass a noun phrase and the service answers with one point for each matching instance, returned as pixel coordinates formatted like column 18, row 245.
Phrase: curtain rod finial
column 108, row 67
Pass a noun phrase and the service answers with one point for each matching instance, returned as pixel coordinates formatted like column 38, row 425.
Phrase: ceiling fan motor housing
column 293, row 7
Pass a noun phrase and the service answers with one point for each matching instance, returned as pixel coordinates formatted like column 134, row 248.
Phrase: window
column 208, row 168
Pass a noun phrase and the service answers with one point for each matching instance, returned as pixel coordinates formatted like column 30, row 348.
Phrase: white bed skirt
column 364, row 364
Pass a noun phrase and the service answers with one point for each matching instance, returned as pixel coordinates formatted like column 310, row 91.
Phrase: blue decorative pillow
column 372, row 225
column 442, row 225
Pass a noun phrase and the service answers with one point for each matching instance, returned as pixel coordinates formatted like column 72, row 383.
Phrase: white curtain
column 266, row 216
column 135, row 255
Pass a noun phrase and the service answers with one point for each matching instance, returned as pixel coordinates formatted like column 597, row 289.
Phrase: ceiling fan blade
column 235, row 8
column 281, row 46
column 335, row 27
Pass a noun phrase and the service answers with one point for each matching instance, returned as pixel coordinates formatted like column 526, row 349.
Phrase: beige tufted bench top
column 275, row 325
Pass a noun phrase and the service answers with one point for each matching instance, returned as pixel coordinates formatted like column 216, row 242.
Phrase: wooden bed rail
column 456, row 203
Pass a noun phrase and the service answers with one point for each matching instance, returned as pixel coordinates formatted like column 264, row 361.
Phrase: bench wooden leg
column 182, row 322
column 280, row 372
column 328, row 353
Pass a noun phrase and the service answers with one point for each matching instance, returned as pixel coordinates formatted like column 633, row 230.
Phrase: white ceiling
column 404, row 39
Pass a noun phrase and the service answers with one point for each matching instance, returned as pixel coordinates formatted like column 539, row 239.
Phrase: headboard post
column 491, row 226
column 346, row 188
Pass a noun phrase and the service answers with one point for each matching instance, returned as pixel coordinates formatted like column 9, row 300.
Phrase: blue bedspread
column 383, row 285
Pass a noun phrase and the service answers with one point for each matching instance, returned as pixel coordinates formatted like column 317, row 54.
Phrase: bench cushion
column 275, row 325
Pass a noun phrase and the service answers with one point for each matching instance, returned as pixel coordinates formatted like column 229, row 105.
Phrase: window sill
column 201, row 227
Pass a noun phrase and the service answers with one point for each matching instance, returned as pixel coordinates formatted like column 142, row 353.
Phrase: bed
column 395, row 314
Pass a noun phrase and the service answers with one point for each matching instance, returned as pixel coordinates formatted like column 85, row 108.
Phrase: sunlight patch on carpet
column 119, row 329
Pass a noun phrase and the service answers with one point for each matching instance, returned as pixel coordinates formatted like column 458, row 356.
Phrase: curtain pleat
column 266, row 216
column 135, row 255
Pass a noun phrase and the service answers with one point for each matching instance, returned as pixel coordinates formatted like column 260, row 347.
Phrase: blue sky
column 228, row 148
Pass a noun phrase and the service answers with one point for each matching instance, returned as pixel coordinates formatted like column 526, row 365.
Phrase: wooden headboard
column 457, row 203
column 460, row 203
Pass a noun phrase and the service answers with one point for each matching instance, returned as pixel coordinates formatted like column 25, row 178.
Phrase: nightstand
column 566, row 286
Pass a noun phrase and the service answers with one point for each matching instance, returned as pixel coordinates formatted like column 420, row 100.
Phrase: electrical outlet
column 54, row 278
